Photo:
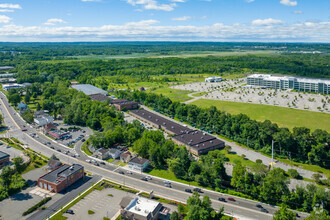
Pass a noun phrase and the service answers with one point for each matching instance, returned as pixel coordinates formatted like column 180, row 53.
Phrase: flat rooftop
column 61, row 173
column 98, row 97
column 198, row 139
column 169, row 125
column 89, row 89
column 298, row 79
column 3, row 155
column 142, row 206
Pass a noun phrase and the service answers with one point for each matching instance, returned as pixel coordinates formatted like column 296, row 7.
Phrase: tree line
column 300, row 145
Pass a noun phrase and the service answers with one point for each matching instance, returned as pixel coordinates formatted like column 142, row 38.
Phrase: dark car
column 264, row 210
column 121, row 172
column 102, row 163
column 222, row 199
column 51, row 147
column 83, row 140
column 259, row 206
column 58, row 150
column 144, row 178
column 96, row 164
column 197, row 190
column 168, row 185
column 188, row 190
column 231, row 199
column 297, row 215
column 70, row 211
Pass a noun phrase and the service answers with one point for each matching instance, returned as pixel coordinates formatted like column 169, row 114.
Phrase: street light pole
column 272, row 154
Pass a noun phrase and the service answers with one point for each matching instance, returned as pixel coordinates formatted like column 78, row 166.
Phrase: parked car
column 259, row 206
column 264, row 210
column 188, row 190
column 83, row 140
column 59, row 150
column 129, row 172
column 96, row 164
column 52, row 147
column 222, row 199
column 88, row 161
column 168, row 185
column 149, row 178
column 102, row 163
column 167, row 182
column 121, row 172
column 70, row 211
column 231, row 199
column 144, row 179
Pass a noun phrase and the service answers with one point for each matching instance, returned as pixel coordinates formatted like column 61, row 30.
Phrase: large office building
column 288, row 82
column 196, row 141
column 213, row 79
column 61, row 177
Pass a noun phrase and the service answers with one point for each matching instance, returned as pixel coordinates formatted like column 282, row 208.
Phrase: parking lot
column 104, row 203
column 73, row 136
column 232, row 90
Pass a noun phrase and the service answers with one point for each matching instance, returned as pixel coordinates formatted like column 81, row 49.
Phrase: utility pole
column 272, row 154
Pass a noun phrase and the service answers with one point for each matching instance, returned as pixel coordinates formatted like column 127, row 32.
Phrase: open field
column 183, row 54
column 174, row 94
column 284, row 117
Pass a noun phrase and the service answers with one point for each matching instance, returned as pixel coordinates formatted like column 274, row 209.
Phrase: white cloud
column 182, row 1
column 249, row 1
column 204, row 17
column 151, row 30
column 265, row 22
column 90, row 0
column 6, row 10
column 289, row 3
column 4, row 19
column 184, row 18
column 298, row 12
column 152, row 5
column 11, row 6
column 54, row 21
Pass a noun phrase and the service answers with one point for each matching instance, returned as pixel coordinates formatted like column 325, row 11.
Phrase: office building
column 61, row 178
column 288, row 82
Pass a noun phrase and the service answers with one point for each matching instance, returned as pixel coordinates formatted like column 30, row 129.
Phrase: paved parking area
column 99, row 202
column 74, row 134
column 13, row 152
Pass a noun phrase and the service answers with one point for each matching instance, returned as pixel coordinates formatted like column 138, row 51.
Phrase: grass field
column 284, row 117
column 174, row 94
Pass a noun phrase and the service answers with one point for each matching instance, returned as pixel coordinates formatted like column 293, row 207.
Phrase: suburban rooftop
column 89, row 89
column 61, row 173
column 142, row 206
column 3, row 155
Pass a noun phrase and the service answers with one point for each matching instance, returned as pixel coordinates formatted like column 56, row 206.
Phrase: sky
column 165, row 20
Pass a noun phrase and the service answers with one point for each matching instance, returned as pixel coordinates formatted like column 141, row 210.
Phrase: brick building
column 4, row 159
column 123, row 104
column 61, row 178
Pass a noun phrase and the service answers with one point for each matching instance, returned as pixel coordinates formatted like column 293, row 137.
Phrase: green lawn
column 284, row 117
column 122, row 164
column 174, row 94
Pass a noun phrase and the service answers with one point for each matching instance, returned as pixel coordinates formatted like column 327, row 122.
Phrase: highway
column 241, row 208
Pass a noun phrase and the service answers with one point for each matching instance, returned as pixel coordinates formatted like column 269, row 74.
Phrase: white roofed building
column 213, row 79
column 288, row 82
column 89, row 89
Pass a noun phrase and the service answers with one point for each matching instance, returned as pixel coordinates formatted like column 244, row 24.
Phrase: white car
column 149, row 177
column 129, row 172
column 88, row 161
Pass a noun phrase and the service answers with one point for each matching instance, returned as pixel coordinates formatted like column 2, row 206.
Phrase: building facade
column 213, row 79
column 61, row 178
column 4, row 159
column 138, row 164
column 285, row 82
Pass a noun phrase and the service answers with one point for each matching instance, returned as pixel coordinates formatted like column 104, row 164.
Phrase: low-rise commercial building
column 58, row 134
column 213, row 79
column 138, row 164
column 4, row 159
column 288, row 82
column 140, row 208
column 123, row 104
column 198, row 142
column 159, row 122
column 43, row 120
column 99, row 97
column 61, row 178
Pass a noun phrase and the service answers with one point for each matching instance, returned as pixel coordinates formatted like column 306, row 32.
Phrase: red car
column 231, row 199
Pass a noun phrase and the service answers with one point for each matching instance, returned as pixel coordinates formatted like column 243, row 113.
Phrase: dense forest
column 301, row 145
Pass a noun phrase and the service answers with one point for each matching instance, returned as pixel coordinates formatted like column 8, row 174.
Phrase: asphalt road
column 241, row 208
